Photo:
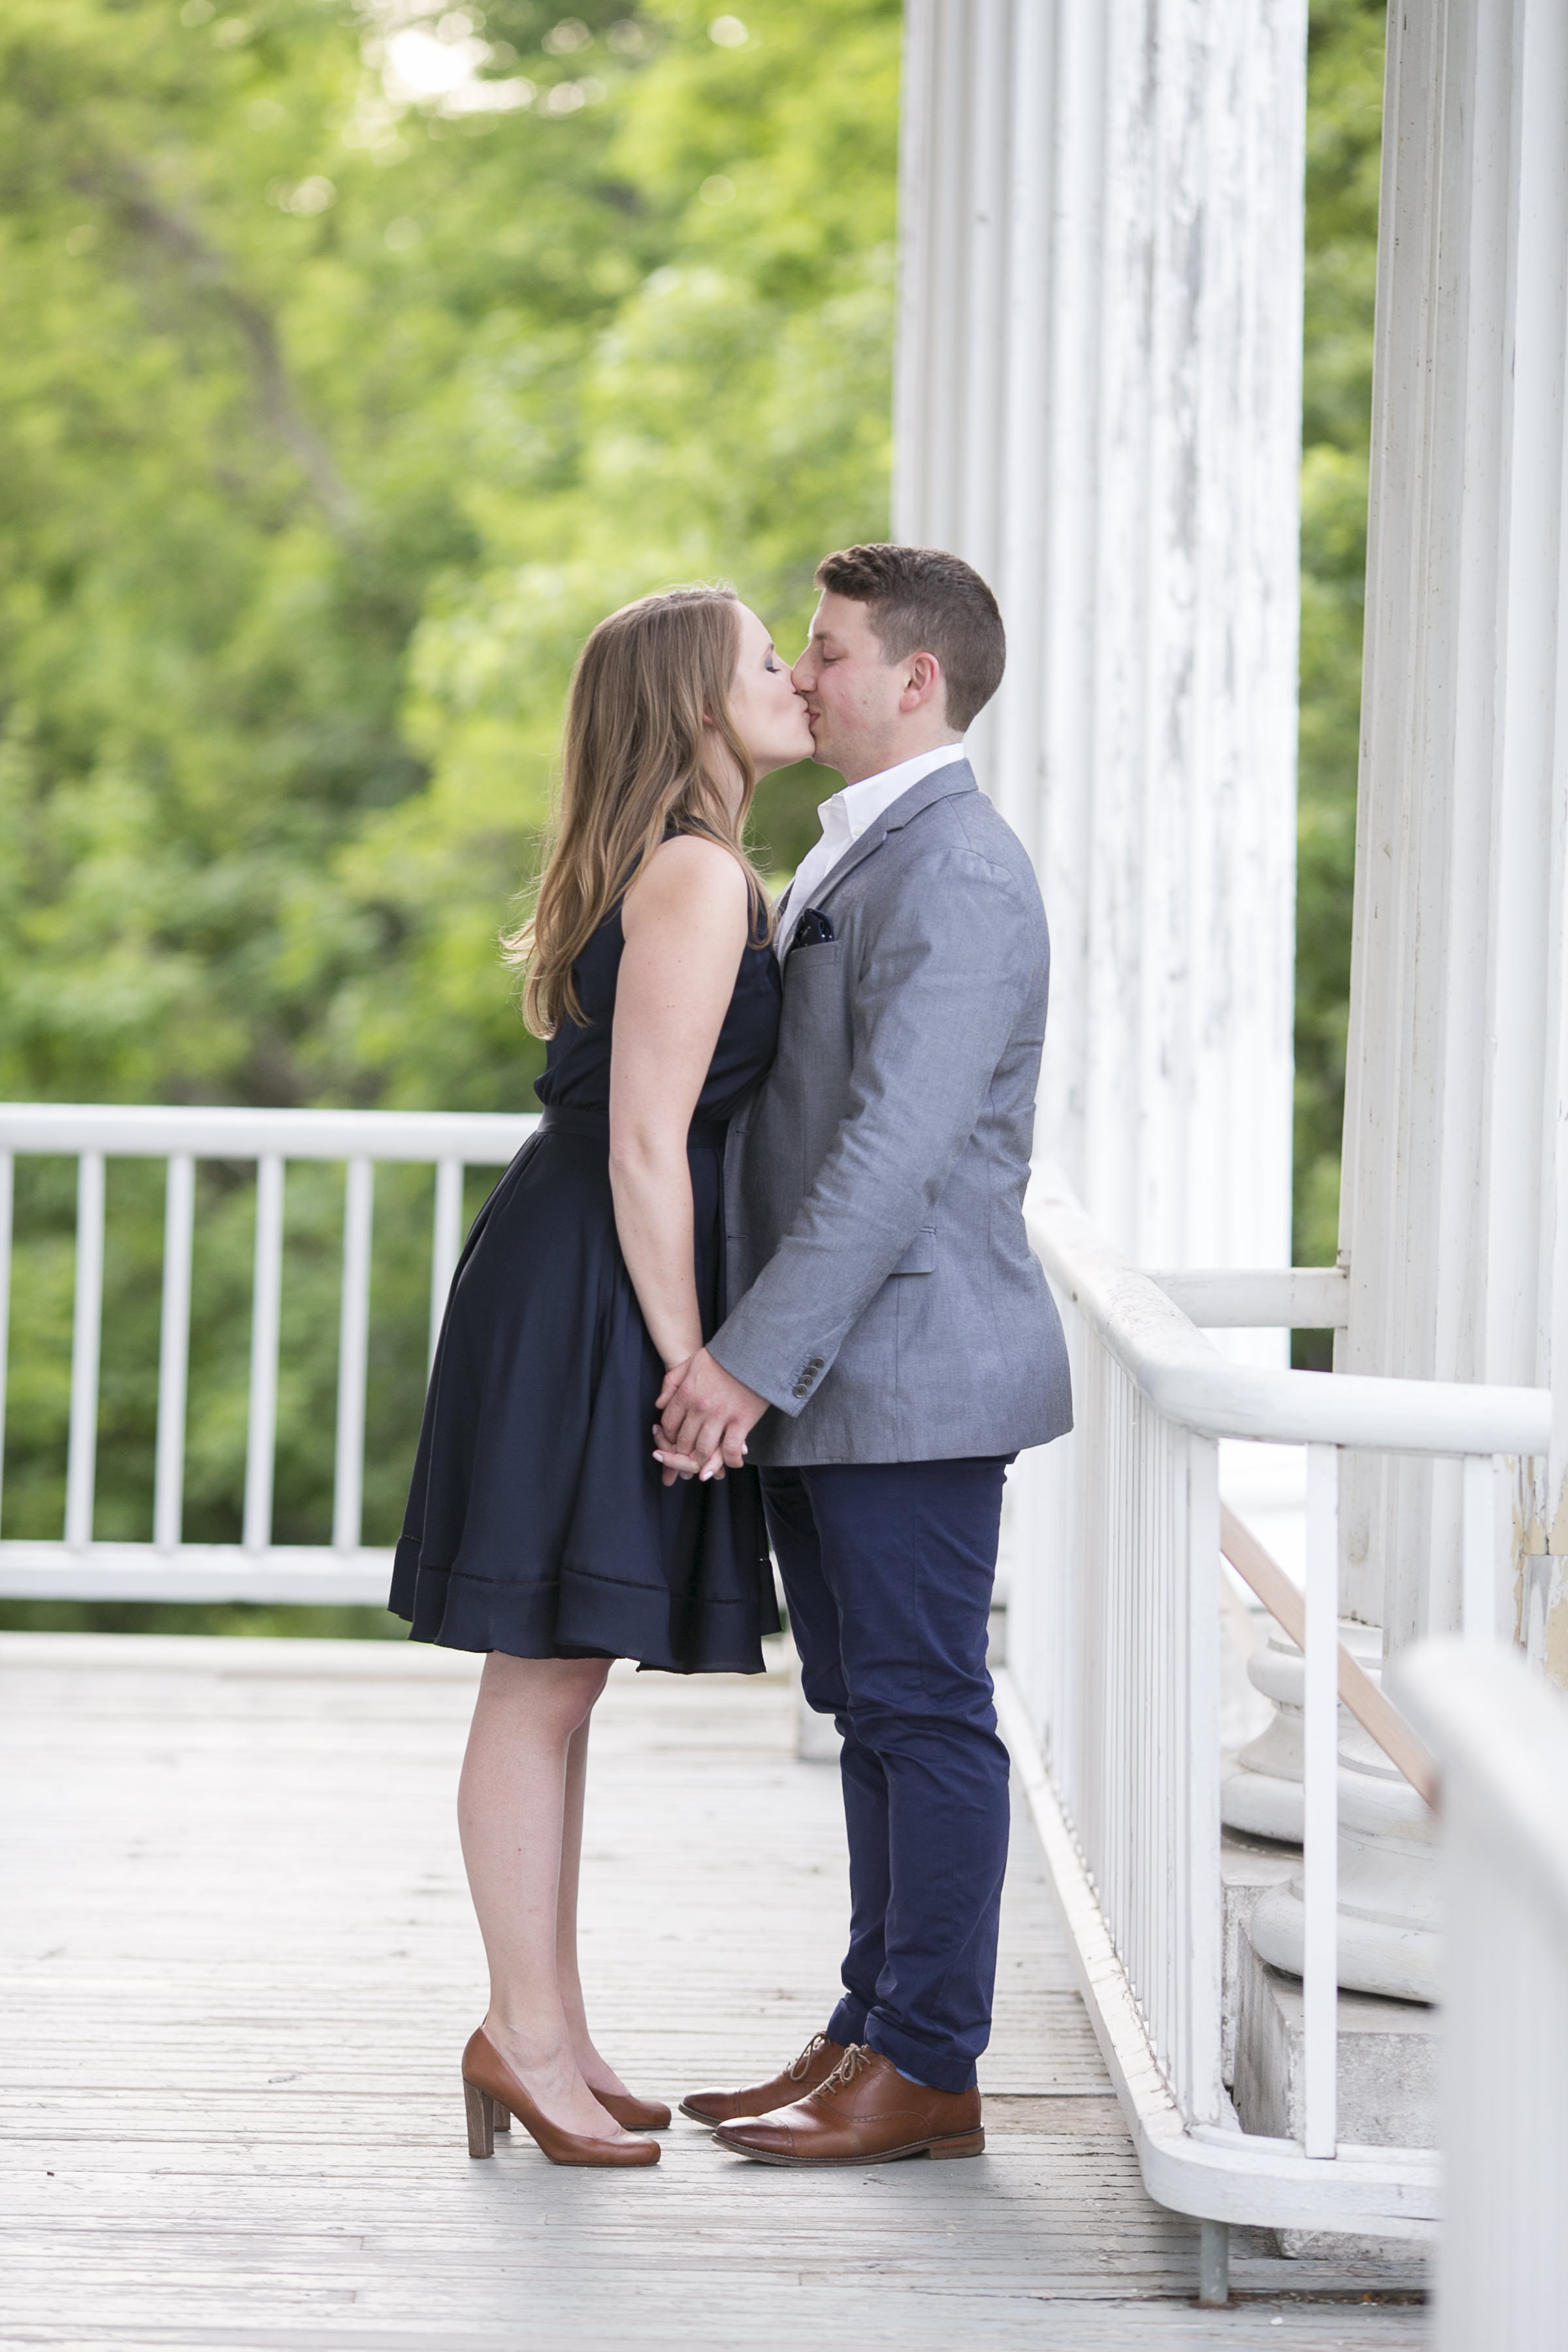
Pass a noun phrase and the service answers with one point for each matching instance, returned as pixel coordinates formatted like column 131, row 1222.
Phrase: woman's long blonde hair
column 636, row 758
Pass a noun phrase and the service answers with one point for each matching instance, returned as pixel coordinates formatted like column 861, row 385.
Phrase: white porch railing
column 1110, row 1698
column 1500, row 1738
column 256, row 1569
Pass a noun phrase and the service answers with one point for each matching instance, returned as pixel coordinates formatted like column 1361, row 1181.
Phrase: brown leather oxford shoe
column 813, row 2065
column 864, row 2112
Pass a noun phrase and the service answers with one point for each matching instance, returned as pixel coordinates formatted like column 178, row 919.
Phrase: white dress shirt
column 844, row 819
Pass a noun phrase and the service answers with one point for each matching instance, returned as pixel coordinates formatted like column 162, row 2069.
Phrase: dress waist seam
column 595, row 1124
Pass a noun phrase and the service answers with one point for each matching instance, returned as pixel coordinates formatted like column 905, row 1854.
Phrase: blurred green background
column 358, row 358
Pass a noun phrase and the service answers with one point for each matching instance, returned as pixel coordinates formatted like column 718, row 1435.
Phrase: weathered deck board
column 238, row 1966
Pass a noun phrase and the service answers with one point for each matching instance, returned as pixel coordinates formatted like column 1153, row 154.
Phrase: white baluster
column 81, row 1461
column 265, row 1301
column 1319, row 1987
column 348, row 1483
column 7, row 1177
column 447, row 1242
column 175, row 1351
column 1197, row 1957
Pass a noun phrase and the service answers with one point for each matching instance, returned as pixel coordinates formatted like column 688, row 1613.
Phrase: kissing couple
column 761, row 1277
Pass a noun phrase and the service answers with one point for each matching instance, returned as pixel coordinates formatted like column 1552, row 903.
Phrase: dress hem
column 565, row 1617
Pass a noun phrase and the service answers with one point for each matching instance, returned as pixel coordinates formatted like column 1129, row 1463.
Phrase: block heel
column 972, row 2144
column 480, row 2110
column 494, row 2096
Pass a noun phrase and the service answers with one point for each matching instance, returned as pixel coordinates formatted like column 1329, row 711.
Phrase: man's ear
column 922, row 682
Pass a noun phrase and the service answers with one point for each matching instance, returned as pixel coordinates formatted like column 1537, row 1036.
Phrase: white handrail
column 1489, row 1719
column 1110, row 1698
column 1190, row 1382
column 1270, row 1298
column 1500, row 1738
column 153, row 1130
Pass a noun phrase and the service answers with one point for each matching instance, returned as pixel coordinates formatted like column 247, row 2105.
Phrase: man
column 893, row 1344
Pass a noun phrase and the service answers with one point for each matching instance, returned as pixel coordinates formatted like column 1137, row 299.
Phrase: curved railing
column 1112, row 1699
column 1500, row 1738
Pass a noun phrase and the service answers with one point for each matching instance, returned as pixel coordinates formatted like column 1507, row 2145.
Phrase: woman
column 540, row 1528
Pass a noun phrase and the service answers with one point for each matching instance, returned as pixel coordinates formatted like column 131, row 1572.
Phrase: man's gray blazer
column 887, row 1302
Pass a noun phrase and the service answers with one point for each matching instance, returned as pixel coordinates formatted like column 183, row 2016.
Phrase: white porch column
column 1452, row 1218
column 1454, row 1212
column 1099, row 404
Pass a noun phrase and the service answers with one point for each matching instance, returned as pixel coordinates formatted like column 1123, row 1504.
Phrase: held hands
column 704, row 1417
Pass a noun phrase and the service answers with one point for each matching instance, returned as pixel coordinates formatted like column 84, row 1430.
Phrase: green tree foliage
column 327, row 426
column 1343, row 148
column 340, row 393
column 331, row 416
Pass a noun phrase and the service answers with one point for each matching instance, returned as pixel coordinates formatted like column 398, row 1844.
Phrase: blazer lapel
column 942, row 785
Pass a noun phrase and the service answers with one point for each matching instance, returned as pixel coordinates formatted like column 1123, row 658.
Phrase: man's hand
column 705, row 1415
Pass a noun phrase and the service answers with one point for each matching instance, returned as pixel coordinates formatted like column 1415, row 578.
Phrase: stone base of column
column 1389, row 1940
column 1388, row 2055
column 1261, row 1794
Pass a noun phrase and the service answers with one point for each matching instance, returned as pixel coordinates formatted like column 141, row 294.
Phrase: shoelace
column 854, row 2061
column 797, row 2073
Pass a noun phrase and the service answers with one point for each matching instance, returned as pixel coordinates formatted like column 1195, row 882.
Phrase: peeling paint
column 1540, row 1573
column 1559, row 1543
column 1540, row 1585
column 1556, row 1646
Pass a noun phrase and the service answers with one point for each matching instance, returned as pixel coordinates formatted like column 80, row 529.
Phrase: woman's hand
column 686, row 1466
column 706, row 1416
column 675, row 1465
column 681, row 1465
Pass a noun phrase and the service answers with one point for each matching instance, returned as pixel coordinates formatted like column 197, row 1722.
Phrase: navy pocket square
column 813, row 929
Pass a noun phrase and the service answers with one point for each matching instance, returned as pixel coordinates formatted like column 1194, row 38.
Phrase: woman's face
column 770, row 716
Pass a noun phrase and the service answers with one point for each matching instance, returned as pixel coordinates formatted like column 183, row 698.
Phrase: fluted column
column 1099, row 404
column 1454, row 1209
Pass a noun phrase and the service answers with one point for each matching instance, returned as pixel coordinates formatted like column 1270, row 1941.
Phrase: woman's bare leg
column 596, row 2071
column 512, row 1815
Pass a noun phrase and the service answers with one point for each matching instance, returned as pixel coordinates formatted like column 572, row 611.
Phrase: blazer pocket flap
column 920, row 1256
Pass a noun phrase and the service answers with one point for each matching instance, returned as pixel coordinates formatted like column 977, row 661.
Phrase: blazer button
column 802, row 1388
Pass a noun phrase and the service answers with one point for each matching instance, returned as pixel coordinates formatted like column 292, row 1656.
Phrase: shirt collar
column 856, row 807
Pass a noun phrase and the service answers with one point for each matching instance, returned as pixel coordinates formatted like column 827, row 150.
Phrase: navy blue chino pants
column 887, row 1569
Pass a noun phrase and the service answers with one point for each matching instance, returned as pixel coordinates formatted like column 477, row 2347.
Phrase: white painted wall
column 1455, row 1208
column 1099, row 404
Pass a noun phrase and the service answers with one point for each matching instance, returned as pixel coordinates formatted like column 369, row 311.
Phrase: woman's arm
column 684, row 920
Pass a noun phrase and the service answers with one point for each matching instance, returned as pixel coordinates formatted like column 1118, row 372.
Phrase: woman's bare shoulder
column 690, row 880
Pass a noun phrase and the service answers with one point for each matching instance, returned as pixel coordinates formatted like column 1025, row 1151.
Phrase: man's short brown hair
column 922, row 600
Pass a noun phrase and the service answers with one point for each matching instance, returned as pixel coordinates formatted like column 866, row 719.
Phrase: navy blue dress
column 537, row 1522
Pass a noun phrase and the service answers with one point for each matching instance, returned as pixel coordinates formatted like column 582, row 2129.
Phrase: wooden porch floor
column 238, row 1966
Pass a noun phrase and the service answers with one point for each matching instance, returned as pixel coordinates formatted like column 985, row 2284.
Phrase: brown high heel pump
column 492, row 2091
